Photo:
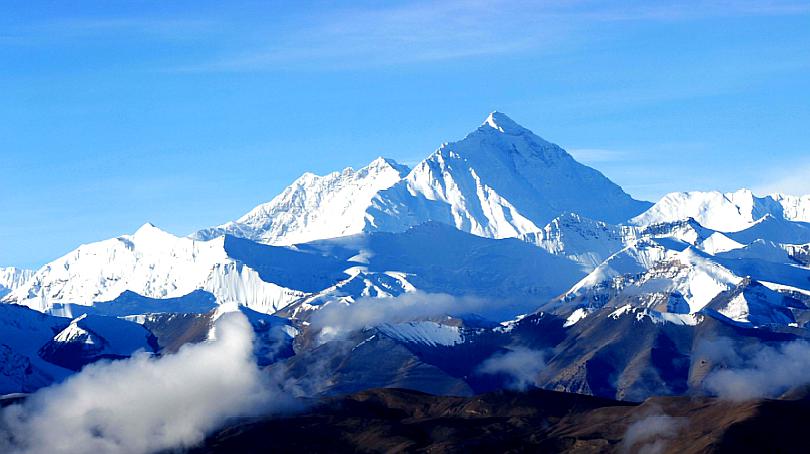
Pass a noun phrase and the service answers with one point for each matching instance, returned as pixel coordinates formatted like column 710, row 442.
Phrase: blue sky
column 188, row 114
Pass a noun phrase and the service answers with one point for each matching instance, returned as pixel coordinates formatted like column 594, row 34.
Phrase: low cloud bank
column 336, row 318
column 768, row 371
column 521, row 365
column 145, row 404
column 652, row 434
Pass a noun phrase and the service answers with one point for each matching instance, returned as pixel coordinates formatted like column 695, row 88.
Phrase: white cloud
column 652, row 434
column 336, row 318
column 145, row 404
column 521, row 364
column 767, row 372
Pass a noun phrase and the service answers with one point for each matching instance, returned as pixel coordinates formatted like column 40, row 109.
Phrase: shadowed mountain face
column 395, row 420
column 618, row 354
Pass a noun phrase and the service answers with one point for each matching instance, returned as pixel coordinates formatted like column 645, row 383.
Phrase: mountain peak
column 388, row 163
column 149, row 230
column 145, row 228
column 500, row 122
column 381, row 161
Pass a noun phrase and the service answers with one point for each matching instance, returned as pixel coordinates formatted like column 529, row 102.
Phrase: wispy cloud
column 441, row 30
column 373, row 36
column 786, row 179
column 335, row 318
column 347, row 35
column 689, row 10
column 759, row 371
column 521, row 365
column 652, row 433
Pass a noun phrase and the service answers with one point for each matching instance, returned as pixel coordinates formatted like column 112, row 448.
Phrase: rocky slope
column 394, row 420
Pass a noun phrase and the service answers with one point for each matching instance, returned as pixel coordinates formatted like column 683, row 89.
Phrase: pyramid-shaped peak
column 383, row 164
column 500, row 122
column 149, row 229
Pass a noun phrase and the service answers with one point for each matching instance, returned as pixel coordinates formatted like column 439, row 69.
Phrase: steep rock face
column 367, row 360
column 753, row 304
column 743, row 286
column 500, row 181
column 12, row 278
column 630, row 353
column 314, row 207
column 580, row 239
column 794, row 208
column 725, row 212
column 680, row 267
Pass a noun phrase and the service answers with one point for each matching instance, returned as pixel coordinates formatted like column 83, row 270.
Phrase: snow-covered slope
column 771, row 228
column 89, row 338
column 580, row 239
column 424, row 332
column 22, row 332
column 150, row 262
column 154, row 264
column 590, row 242
column 725, row 212
column 12, row 278
column 315, row 207
column 500, row 181
column 679, row 274
column 153, row 271
column 794, row 208
column 512, row 275
column 752, row 303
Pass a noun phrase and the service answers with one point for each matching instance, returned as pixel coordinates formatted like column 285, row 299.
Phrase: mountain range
column 498, row 246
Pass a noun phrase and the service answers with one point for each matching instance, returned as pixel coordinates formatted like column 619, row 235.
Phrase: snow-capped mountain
column 725, row 212
column 153, row 271
column 315, row 207
column 153, row 264
column 38, row 349
column 503, row 242
column 500, row 181
column 679, row 273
